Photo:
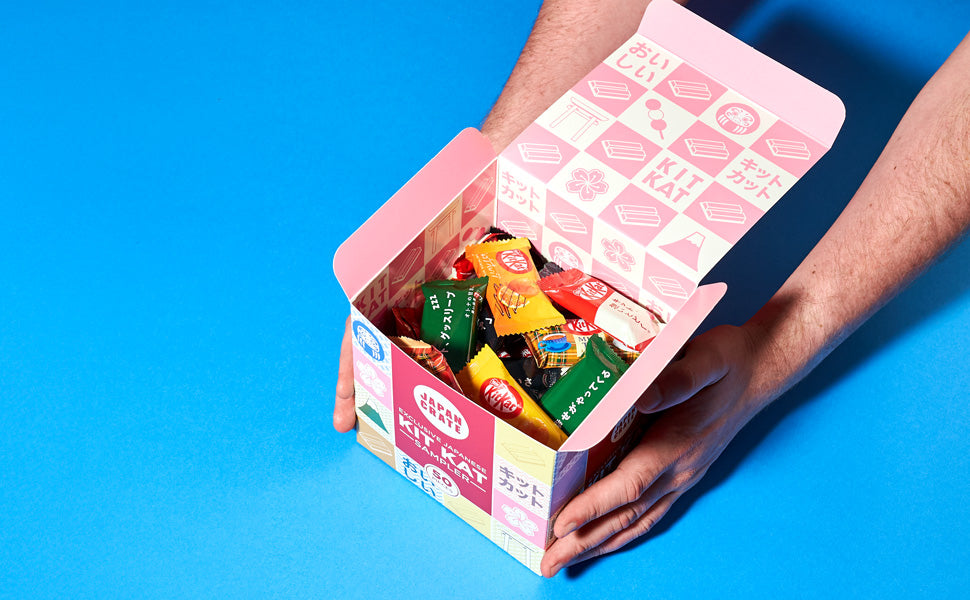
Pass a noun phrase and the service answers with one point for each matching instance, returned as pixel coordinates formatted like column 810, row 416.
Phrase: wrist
column 782, row 345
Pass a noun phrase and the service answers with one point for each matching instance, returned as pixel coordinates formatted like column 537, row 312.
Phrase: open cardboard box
column 644, row 174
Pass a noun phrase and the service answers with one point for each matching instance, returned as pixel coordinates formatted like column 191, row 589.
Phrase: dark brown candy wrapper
column 550, row 268
column 407, row 321
column 536, row 381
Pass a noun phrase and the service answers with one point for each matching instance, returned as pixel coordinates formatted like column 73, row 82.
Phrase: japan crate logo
column 366, row 339
column 514, row 260
column 580, row 327
column 441, row 480
column 441, row 412
column 737, row 118
column 592, row 291
column 501, row 398
column 624, row 425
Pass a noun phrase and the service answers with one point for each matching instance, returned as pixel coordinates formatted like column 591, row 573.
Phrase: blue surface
column 174, row 180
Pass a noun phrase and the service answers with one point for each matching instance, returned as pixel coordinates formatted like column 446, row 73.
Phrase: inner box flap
column 649, row 169
column 389, row 230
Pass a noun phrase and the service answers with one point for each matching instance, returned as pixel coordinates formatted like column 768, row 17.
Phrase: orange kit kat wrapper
column 517, row 303
column 487, row 382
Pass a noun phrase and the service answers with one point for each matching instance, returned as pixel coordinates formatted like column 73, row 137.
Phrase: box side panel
column 523, row 469
column 443, row 432
column 518, row 547
column 568, row 479
column 375, row 441
column 506, row 533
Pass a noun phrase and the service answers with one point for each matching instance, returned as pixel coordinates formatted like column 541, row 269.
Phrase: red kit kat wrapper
column 599, row 304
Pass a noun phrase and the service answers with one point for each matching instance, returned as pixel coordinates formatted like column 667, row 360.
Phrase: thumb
column 702, row 365
column 344, row 416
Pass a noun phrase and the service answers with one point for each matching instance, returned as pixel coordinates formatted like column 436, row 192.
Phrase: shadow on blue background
column 876, row 96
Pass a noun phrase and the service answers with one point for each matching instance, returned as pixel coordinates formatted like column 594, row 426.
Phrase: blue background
column 174, row 180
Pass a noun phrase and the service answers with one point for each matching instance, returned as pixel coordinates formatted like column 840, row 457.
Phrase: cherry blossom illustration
column 369, row 377
column 517, row 518
column 616, row 253
column 587, row 183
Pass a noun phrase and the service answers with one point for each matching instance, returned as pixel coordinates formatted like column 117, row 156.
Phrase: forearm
column 912, row 206
column 569, row 38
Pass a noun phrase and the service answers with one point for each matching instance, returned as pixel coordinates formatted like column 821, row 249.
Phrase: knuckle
column 646, row 524
column 581, row 547
column 637, row 478
column 594, row 552
column 667, row 385
column 345, row 389
column 626, row 517
column 680, row 381
column 633, row 487
column 686, row 478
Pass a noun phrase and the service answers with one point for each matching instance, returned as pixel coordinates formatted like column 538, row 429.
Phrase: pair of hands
column 704, row 399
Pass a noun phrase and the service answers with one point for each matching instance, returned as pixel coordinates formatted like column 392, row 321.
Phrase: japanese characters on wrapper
column 529, row 339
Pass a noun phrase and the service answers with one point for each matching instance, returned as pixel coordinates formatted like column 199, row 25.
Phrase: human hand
column 344, row 417
column 705, row 401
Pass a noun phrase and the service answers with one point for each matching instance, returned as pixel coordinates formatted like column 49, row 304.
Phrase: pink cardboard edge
column 392, row 227
column 657, row 355
column 805, row 105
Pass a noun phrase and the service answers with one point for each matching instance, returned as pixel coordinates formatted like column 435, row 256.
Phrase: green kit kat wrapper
column 450, row 315
column 574, row 396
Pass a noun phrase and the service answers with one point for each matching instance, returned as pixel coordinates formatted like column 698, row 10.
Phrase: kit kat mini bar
column 487, row 382
column 517, row 303
column 599, row 304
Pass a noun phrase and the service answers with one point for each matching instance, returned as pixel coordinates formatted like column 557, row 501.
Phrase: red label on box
column 436, row 426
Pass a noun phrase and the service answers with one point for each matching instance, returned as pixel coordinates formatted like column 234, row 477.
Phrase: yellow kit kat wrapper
column 487, row 382
column 517, row 303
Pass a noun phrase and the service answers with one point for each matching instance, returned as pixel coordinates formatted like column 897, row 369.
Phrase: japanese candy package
column 644, row 174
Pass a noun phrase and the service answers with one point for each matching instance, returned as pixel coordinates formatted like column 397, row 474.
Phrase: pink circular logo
column 514, row 260
column 501, row 398
column 737, row 118
column 593, row 290
column 580, row 327
column 564, row 257
column 441, row 480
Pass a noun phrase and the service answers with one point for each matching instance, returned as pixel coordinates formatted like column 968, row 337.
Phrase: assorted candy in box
column 498, row 332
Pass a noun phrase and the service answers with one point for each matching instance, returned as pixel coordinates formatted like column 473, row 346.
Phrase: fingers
column 627, row 484
column 587, row 541
column 703, row 364
column 638, row 528
column 344, row 417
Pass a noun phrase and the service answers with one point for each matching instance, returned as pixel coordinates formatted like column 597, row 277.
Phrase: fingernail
column 555, row 569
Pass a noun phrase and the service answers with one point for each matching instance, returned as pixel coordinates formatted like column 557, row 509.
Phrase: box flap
column 649, row 169
column 389, row 230
column 641, row 373
column 794, row 99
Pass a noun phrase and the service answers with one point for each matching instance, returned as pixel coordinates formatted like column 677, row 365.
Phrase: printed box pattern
column 644, row 174
column 641, row 162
